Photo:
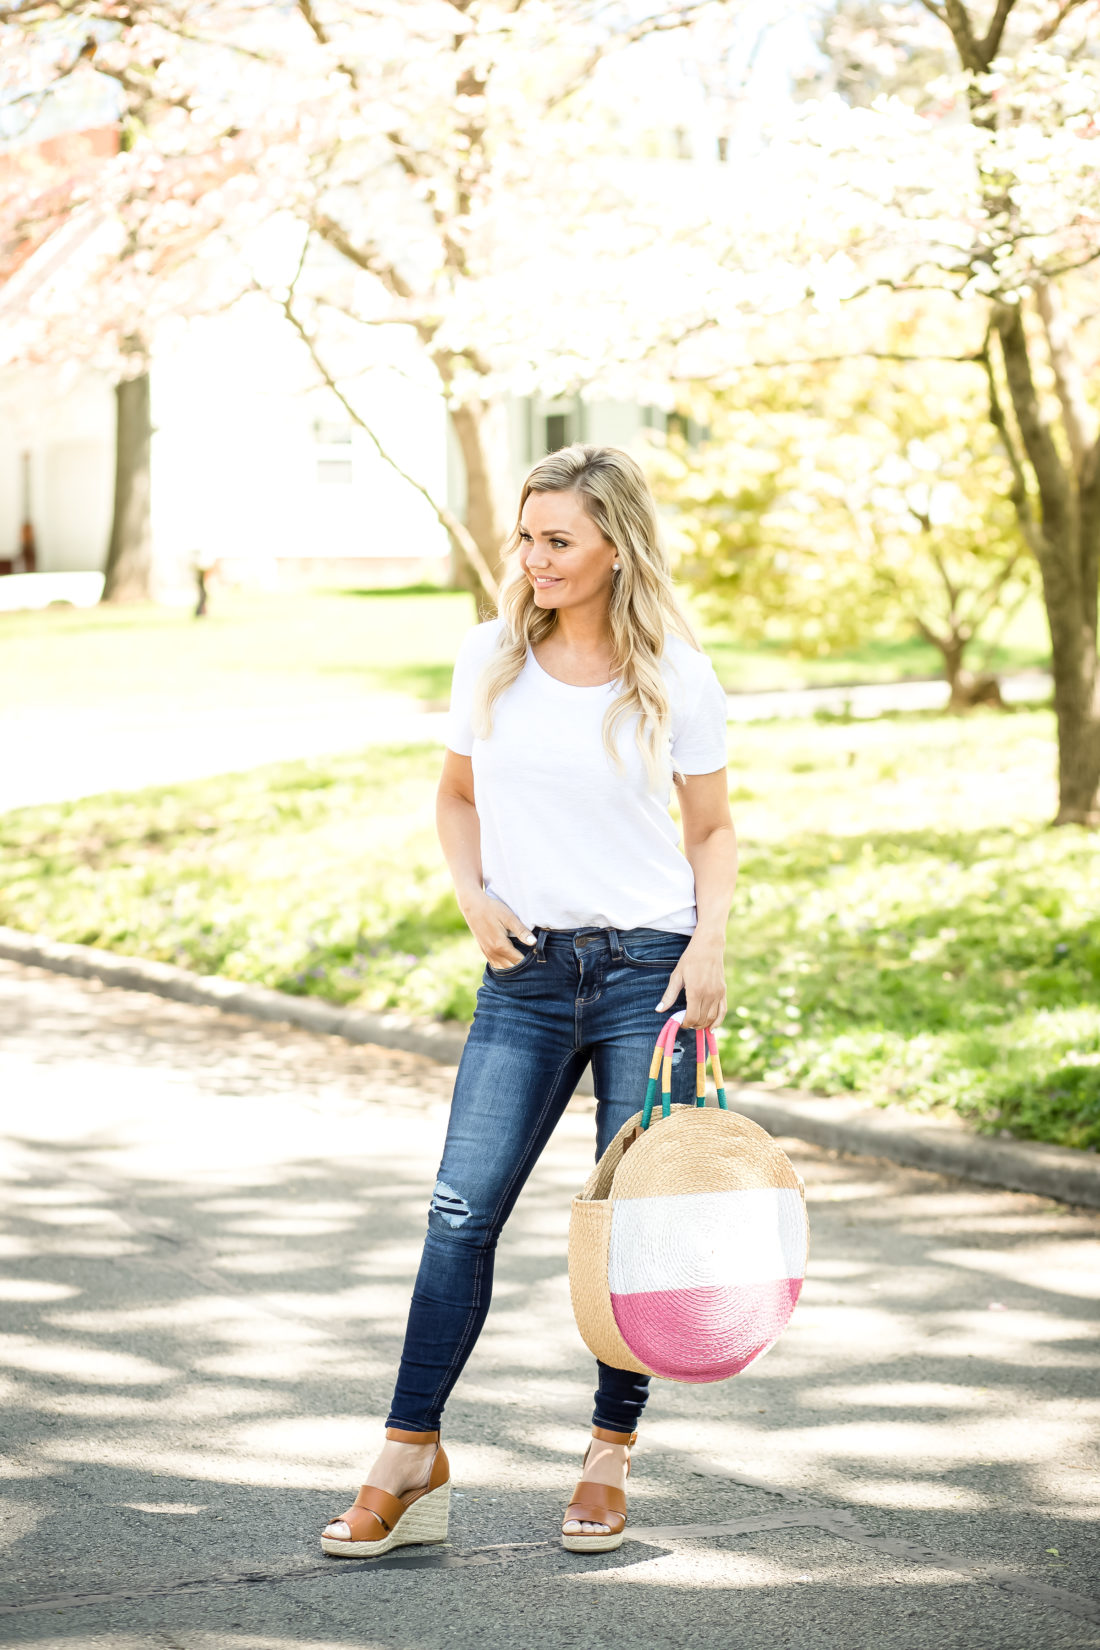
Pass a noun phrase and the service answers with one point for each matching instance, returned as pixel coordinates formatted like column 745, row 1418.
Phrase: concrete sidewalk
column 211, row 1230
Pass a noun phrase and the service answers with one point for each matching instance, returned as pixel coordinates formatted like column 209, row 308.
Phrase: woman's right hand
column 491, row 922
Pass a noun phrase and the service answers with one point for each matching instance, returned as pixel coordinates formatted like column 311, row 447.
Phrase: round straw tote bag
column 687, row 1246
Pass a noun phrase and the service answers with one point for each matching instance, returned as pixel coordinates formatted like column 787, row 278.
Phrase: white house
column 255, row 468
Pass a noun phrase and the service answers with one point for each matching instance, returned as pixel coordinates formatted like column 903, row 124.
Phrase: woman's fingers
column 672, row 989
column 707, row 1018
column 502, row 953
column 704, row 1010
column 499, row 950
column 511, row 924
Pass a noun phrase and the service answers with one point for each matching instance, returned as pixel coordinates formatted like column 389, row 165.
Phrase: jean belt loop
column 540, row 944
column 613, row 941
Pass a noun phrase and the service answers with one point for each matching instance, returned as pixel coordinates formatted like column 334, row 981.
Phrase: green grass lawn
column 769, row 665
column 253, row 648
column 905, row 925
column 266, row 647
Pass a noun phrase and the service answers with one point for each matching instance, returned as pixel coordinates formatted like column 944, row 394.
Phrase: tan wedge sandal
column 594, row 1503
column 378, row 1521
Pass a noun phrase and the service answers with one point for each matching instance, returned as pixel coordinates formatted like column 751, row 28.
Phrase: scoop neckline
column 572, row 687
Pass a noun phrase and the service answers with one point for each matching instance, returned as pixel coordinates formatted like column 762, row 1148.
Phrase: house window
column 332, row 432
column 332, row 446
column 557, row 431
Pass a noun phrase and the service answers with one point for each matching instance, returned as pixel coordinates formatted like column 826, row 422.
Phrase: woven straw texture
column 687, row 1246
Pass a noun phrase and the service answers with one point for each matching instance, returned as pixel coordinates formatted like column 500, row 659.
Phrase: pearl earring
column 614, row 567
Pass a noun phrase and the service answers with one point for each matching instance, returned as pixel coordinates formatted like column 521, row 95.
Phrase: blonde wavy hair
column 643, row 608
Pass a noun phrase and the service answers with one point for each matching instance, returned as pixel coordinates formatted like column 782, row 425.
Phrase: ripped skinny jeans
column 579, row 996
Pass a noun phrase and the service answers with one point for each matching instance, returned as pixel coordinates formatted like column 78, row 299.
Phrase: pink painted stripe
column 705, row 1334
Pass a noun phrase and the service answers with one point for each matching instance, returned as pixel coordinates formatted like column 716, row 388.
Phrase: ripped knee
column 449, row 1205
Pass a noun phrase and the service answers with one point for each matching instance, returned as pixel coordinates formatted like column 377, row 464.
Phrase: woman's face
column 564, row 554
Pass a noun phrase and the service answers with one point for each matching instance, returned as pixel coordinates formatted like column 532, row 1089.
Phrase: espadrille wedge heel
column 378, row 1521
column 594, row 1503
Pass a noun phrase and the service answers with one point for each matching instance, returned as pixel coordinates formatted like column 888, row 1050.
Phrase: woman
column 572, row 716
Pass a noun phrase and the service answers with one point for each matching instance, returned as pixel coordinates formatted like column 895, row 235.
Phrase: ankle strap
column 400, row 1436
column 607, row 1437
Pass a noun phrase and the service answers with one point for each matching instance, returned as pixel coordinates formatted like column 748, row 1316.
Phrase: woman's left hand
column 701, row 975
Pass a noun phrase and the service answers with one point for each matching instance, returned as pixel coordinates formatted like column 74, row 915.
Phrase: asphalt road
column 210, row 1229
column 56, row 753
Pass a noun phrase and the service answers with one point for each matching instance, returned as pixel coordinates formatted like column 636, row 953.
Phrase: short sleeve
column 699, row 739
column 473, row 654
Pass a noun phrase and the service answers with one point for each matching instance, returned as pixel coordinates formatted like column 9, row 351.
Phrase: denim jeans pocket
column 660, row 951
column 516, row 968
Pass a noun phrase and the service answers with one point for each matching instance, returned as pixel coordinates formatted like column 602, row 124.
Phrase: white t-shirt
column 566, row 840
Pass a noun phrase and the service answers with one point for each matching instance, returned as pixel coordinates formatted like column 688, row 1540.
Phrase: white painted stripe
column 706, row 1239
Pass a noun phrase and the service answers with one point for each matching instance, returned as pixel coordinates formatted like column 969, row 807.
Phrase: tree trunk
column 967, row 687
column 483, row 440
column 952, row 649
column 128, row 574
column 1077, row 714
column 1068, row 548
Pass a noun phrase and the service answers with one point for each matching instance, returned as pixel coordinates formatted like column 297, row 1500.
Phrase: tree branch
column 972, row 358
column 1055, row 493
column 986, row 600
column 461, row 535
column 991, row 44
column 367, row 258
column 321, row 35
column 661, row 23
column 1049, row 29
column 936, row 558
column 1018, row 493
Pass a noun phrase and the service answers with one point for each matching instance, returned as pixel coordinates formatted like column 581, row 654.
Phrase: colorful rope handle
column 662, row 1064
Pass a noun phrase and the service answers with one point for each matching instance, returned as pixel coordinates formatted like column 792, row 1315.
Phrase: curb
column 864, row 1130
column 840, row 1124
column 355, row 1025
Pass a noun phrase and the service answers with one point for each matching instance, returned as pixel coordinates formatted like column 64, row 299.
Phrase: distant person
column 573, row 714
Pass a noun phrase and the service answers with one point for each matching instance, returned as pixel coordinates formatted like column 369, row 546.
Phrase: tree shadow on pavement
column 209, row 1235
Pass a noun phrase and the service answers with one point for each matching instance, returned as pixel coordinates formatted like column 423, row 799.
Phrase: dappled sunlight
column 920, row 1495
column 288, row 1368
column 1064, row 1269
column 927, row 1445
column 94, row 1365
column 238, row 1374
column 34, row 1289
column 370, row 1303
column 853, row 1191
column 829, row 1328
column 204, row 1464
column 1011, row 1336
column 827, row 1268
column 219, row 1317
column 925, row 1396
column 704, row 1564
column 286, row 1225
column 331, row 1441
